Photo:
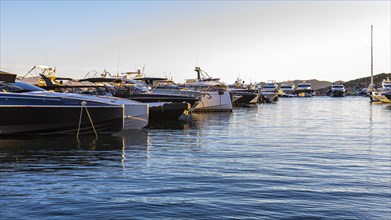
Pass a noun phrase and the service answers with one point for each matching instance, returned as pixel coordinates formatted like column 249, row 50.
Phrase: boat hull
column 381, row 97
column 388, row 97
column 216, row 101
column 268, row 97
column 304, row 94
column 45, row 120
column 245, row 99
column 136, row 114
column 286, row 93
column 167, row 111
column 337, row 94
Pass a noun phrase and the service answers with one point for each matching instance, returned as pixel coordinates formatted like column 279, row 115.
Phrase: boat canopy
column 111, row 80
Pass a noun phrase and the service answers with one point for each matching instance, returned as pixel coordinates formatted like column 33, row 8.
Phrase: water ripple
column 317, row 158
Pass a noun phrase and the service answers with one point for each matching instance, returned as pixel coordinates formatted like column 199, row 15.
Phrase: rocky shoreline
column 357, row 86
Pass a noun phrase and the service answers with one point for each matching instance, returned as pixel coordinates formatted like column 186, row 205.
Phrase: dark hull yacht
column 36, row 114
column 244, row 97
column 166, row 111
column 34, row 111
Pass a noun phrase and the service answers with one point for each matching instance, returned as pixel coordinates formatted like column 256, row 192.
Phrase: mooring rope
column 84, row 104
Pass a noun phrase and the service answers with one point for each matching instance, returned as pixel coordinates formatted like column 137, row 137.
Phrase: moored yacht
column 161, row 106
column 337, row 90
column 287, row 89
column 128, row 92
column 383, row 94
column 131, row 89
column 304, row 89
column 35, row 111
column 269, row 92
column 386, row 84
column 215, row 96
column 243, row 95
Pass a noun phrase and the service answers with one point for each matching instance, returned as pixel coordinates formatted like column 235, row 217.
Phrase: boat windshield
column 18, row 87
column 270, row 86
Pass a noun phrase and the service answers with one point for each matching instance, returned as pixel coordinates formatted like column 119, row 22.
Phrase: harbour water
column 301, row 158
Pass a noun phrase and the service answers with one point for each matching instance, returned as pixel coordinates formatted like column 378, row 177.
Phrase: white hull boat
column 214, row 95
column 337, row 90
column 214, row 101
column 136, row 114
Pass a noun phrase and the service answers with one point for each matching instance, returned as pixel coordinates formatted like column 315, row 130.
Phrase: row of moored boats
column 42, row 103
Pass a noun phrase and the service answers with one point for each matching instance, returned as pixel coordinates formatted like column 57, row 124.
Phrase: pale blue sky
column 256, row 40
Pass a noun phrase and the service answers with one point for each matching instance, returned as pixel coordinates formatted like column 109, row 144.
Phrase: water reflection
column 370, row 131
column 194, row 121
column 129, row 139
column 63, row 150
column 214, row 116
column 170, row 124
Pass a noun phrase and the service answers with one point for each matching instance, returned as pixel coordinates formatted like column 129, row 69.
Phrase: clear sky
column 253, row 40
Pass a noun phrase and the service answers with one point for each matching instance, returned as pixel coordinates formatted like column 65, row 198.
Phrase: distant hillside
column 355, row 87
column 315, row 84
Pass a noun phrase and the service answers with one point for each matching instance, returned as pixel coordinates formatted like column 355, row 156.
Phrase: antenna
column 118, row 64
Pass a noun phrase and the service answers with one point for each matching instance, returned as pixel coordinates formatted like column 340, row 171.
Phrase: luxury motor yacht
column 34, row 111
column 287, row 89
column 215, row 96
column 243, row 95
column 337, row 90
column 269, row 92
column 160, row 107
column 386, row 84
column 304, row 89
column 136, row 115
